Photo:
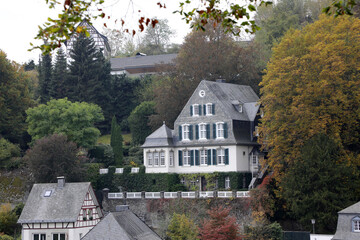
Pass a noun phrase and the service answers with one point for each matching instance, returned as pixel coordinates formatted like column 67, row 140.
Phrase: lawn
column 105, row 139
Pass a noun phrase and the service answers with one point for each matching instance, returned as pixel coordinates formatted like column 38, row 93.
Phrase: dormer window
column 356, row 224
column 47, row 193
column 237, row 105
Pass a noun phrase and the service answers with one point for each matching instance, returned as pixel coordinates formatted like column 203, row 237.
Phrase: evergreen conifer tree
column 89, row 78
column 116, row 142
column 60, row 73
column 45, row 70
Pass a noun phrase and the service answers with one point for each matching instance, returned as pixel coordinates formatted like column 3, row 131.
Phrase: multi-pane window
column 220, row 130
column 186, row 158
column 202, row 129
column 58, row 236
column 227, row 182
column 162, row 158
column 209, row 110
column 150, row 159
column 156, row 158
column 196, row 109
column 221, row 156
column 171, row 158
column 356, row 225
column 254, row 159
column 41, row 236
column 186, row 132
column 203, row 157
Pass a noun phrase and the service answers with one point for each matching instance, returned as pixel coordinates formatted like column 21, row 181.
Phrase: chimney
column 61, row 182
column 121, row 208
column 221, row 80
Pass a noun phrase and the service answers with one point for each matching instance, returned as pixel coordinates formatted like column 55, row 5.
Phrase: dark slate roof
column 355, row 209
column 123, row 225
column 63, row 205
column 162, row 137
column 140, row 61
column 229, row 94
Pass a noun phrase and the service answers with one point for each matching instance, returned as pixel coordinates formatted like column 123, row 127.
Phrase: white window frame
column 221, row 156
column 186, row 131
column 186, row 157
column 227, row 182
column 203, row 157
column 156, row 159
column 39, row 235
column 162, row 158
column 195, row 109
column 171, row 158
column 209, row 109
column 202, row 131
column 356, row 224
column 150, row 159
column 53, row 234
column 220, row 130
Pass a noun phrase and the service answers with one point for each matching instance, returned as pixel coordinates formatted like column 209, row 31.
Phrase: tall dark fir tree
column 89, row 78
column 57, row 88
column 45, row 72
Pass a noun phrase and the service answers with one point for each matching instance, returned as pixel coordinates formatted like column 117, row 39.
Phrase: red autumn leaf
column 154, row 22
column 141, row 27
column 102, row 15
column 105, row 25
column 122, row 22
column 133, row 32
column 147, row 21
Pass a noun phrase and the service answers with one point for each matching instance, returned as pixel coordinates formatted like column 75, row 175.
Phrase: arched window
column 356, row 224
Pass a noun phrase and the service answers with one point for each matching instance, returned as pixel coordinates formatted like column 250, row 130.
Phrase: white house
column 59, row 211
column 215, row 132
column 348, row 226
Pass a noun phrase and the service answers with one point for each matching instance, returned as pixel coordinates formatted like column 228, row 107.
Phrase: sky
column 19, row 20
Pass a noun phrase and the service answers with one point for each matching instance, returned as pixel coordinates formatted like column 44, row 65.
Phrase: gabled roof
column 355, row 209
column 63, row 204
column 140, row 61
column 121, row 225
column 229, row 95
column 161, row 137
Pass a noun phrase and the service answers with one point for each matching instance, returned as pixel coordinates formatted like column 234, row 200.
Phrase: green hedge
column 156, row 182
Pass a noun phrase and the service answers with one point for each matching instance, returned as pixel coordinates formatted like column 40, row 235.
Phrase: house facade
column 348, row 226
column 215, row 132
column 59, row 211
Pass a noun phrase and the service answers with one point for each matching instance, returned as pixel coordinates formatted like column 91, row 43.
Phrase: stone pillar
column 179, row 194
column 162, row 194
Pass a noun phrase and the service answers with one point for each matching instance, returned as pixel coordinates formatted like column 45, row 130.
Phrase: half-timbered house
column 59, row 211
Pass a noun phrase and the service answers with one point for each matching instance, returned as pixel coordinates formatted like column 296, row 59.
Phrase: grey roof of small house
column 63, row 205
column 355, row 209
column 123, row 225
column 162, row 137
column 140, row 61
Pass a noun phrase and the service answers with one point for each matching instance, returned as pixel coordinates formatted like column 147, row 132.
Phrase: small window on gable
column 196, row 109
column 209, row 109
column 47, row 193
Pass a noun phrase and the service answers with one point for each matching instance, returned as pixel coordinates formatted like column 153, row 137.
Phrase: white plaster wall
column 73, row 234
column 243, row 161
column 159, row 169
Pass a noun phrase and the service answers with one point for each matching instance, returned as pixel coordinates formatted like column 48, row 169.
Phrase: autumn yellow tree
column 311, row 86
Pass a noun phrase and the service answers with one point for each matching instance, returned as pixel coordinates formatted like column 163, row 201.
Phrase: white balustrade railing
column 133, row 195
column 170, row 194
column 116, row 195
column 135, row 170
column 225, row 194
column 157, row 195
column 119, row 170
column 188, row 194
column 207, row 194
column 152, row 195
column 104, row 170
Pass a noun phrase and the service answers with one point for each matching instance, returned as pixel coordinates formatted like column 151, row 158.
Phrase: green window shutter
column 192, row 157
column 180, row 158
column 226, row 156
column 209, row 157
column 213, row 109
column 197, row 160
column 191, row 132
column 214, row 156
column 204, row 107
column 225, row 130
column 214, row 130
column 191, row 110
column 207, row 131
column 199, row 110
column 180, row 133
column 197, row 131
